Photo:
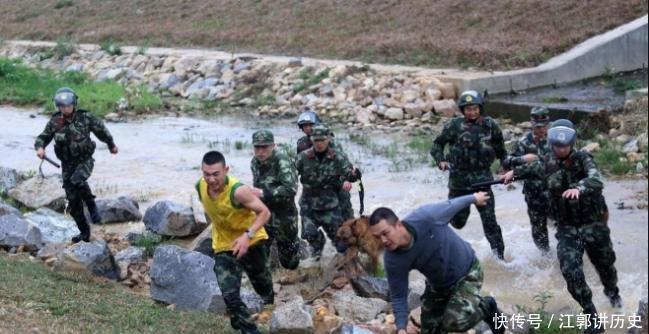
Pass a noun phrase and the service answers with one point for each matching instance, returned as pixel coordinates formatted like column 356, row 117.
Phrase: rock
column 120, row 210
column 167, row 80
column 74, row 67
column 38, row 192
column 433, row 94
column 203, row 242
column 93, row 257
column 127, row 256
column 115, row 74
column 291, row 318
column 623, row 139
column 364, row 116
column 350, row 306
column 353, row 329
column 54, row 227
column 394, row 113
column 448, row 90
column 6, row 209
column 16, row 232
column 371, row 287
column 634, row 157
column 414, row 109
column 8, row 179
column 171, row 219
column 642, row 142
column 187, row 279
column 294, row 62
column 631, row 146
column 591, row 148
column 50, row 252
column 447, row 108
column 210, row 68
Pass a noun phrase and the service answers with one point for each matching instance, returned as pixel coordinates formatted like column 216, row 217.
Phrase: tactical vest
column 472, row 149
column 563, row 175
column 72, row 137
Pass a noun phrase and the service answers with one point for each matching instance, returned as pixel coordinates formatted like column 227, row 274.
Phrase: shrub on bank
column 22, row 85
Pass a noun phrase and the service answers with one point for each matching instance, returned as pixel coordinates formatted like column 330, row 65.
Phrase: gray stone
column 643, row 312
column 93, row 257
column 631, row 146
column 120, row 210
column 40, row 192
column 128, row 256
column 8, row 179
column 353, row 329
column 6, row 209
column 447, row 107
column 16, row 231
column 394, row 113
column 294, row 62
column 291, row 318
column 203, row 242
column 210, row 68
column 171, row 219
column 54, row 227
column 371, row 287
column 167, row 80
column 350, row 306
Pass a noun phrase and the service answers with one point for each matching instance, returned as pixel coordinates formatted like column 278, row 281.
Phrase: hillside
column 499, row 34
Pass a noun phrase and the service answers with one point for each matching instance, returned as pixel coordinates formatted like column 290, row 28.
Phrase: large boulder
column 54, row 226
column 187, row 280
column 93, row 257
column 8, row 179
column 120, row 210
column 203, row 242
column 350, row 306
column 372, row 287
column 128, row 256
column 6, row 209
column 16, row 231
column 171, row 219
column 291, row 318
column 40, row 192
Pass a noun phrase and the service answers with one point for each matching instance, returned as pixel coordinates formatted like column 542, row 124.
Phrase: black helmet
column 65, row 96
column 470, row 97
column 562, row 136
column 308, row 117
column 540, row 115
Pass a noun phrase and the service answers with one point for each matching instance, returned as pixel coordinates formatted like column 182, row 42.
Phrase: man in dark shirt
column 424, row 241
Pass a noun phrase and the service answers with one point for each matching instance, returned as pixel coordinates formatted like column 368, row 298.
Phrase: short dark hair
column 213, row 157
column 383, row 213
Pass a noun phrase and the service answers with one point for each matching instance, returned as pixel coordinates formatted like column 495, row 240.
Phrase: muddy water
column 159, row 158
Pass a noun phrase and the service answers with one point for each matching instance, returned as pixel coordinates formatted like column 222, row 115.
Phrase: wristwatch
column 250, row 234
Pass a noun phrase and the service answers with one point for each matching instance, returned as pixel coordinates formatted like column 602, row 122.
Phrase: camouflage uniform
column 533, row 188
column 344, row 197
column 278, row 180
column 322, row 177
column 456, row 309
column 581, row 223
column 473, row 148
column 228, row 274
column 73, row 146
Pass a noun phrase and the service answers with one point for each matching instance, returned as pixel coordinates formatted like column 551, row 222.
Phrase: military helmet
column 563, row 122
column 562, row 135
column 540, row 115
column 65, row 96
column 470, row 97
column 308, row 117
column 320, row 132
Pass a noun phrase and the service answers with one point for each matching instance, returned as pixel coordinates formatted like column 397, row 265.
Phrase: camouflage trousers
column 282, row 229
column 456, row 309
column 346, row 209
column 77, row 191
column 312, row 220
column 595, row 240
column 537, row 208
column 487, row 214
column 229, row 271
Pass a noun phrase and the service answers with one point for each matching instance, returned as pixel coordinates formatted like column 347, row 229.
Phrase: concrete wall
column 621, row 49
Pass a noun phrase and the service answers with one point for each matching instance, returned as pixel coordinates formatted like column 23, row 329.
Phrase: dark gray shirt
column 436, row 251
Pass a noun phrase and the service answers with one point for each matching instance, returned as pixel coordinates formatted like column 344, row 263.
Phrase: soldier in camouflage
column 529, row 148
column 575, row 200
column 306, row 121
column 275, row 183
column 70, row 128
column 323, row 171
column 474, row 141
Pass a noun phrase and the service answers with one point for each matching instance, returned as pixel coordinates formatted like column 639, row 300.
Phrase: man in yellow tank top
column 238, row 238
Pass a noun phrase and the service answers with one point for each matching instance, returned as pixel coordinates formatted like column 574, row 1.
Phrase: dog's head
column 353, row 229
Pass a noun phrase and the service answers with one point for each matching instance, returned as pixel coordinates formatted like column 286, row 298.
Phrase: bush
column 111, row 48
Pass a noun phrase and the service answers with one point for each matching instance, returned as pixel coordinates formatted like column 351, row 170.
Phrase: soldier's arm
column 46, row 136
column 348, row 171
column 287, row 179
column 532, row 170
column 593, row 181
column 99, row 129
column 498, row 142
column 437, row 151
column 516, row 158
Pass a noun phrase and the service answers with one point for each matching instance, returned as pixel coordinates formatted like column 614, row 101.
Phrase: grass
column 547, row 324
column 21, row 85
column 64, row 47
column 149, row 242
column 619, row 84
column 35, row 298
column 414, row 154
column 111, row 48
column 611, row 159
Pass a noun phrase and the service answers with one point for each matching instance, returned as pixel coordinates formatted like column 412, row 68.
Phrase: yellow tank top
column 229, row 219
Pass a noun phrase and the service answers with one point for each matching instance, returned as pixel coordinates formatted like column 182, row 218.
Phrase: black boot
column 491, row 316
column 594, row 326
column 83, row 227
column 89, row 199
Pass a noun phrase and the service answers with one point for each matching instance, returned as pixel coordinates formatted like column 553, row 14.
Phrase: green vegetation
column 415, row 153
column 21, row 85
column 547, row 324
column 554, row 99
column 111, row 48
column 65, row 46
column 611, row 159
column 149, row 242
column 309, row 78
column 619, row 84
column 63, row 3
column 35, row 298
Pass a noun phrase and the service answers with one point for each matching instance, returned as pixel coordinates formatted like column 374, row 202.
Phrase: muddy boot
column 594, row 325
column 491, row 316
